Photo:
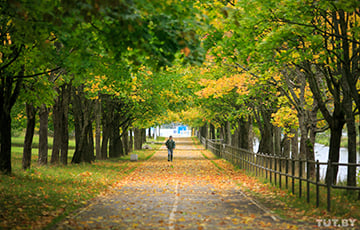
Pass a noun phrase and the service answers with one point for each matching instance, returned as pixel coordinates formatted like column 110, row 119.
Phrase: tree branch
column 38, row 74
column 283, row 20
column 17, row 53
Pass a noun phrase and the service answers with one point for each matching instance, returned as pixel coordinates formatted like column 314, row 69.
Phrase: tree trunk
column 303, row 137
column 83, row 116
column 125, row 140
column 43, row 135
column 240, row 138
column 218, row 133
column 91, row 145
column 266, row 144
column 222, row 133
column 212, row 131
column 131, row 141
column 235, row 140
column 5, row 155
column 351, row 132
column 120, row 146
column 143, row 136
column 149, row 132
column 8, row 97
column 251, row 135
column 204, row 131
column 137, row 139
column 286, row 147
column 98, row 129
column 294, row 144
column 228, row 133
column 57, row 122
column 77, row 131
column 335, row 140
column 244, row 133
column 310, row 155
column 105, row 141
column 83, row 151
column 312, row 139
column 277, row 141
column 66, row 94
column 107, row 112
column 115, row 146
column 29, row 134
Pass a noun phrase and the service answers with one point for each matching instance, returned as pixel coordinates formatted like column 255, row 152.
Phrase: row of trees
column 283, row 66
column 87, row 65
column 287, row 66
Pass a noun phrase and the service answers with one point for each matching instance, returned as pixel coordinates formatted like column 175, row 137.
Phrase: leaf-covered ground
column 43, row 195
column 192, row 192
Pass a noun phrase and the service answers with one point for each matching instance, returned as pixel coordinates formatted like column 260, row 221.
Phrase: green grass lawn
column 19, row 141
column 158, row 139
column 37, row 197
column 344, row 204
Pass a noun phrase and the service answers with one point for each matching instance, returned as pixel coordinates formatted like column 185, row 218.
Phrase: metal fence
column 282, row 171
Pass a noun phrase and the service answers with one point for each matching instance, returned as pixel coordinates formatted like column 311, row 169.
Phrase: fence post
column 256, row 164
column 307, row 181
column 232, row 155
column 243, row 160
column 270, row 158
column 280, row 172
column 251, row 162
column 262, row 164
column 246, row 161
column 266, row 166
column 220, row 147
column 221, row 150
column 317, row 182
column 206, row 143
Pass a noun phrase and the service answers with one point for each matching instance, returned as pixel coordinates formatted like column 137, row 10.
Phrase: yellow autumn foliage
column 286, row 118
column 222, row 86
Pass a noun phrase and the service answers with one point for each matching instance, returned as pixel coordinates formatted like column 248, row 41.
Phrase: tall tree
column 43, row 134
column 29, row 134
column 83, row 116
column 26, row 54
column 319, row 38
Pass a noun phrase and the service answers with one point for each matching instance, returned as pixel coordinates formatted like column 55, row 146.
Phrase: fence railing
column 282, row 171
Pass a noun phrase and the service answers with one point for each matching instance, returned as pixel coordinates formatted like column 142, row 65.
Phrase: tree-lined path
column 192, row 192
column 85, row 80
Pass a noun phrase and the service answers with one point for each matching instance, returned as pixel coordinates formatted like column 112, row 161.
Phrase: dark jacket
column 170, row 144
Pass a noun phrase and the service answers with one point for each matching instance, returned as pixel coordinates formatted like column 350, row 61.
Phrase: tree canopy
column 278, row 65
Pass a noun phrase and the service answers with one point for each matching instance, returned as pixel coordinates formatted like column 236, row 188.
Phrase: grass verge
column 289, row 205
column 41, row 196
column 19, row 141
column 157, row 140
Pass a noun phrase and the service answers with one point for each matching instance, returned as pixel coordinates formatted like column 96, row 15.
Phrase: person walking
column 170, row 144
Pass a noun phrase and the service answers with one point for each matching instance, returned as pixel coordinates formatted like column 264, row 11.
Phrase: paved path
column 188, row 193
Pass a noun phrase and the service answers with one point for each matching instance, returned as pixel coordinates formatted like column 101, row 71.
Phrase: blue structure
column 181, row 128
